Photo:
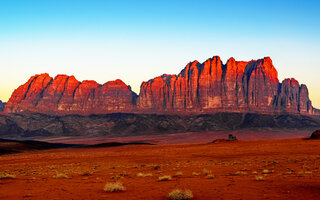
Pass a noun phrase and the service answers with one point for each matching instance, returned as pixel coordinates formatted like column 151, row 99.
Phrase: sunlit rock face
column 236, row 86
column 207, row 87
column 65, row 95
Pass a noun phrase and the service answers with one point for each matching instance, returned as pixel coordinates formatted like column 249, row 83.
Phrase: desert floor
column 265, row 169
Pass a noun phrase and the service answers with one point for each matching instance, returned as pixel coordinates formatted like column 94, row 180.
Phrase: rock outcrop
column 315, row 135
column 208, row 87
column 234, row 87
column 65, row 95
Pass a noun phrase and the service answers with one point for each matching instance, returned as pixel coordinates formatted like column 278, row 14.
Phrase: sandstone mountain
column 208, row 87
column 234, row 87
column 66, row 95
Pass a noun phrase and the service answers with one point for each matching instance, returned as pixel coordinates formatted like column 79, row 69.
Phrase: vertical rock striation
column 232, row 87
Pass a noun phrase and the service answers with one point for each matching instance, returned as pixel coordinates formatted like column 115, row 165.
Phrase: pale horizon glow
column 135, row 42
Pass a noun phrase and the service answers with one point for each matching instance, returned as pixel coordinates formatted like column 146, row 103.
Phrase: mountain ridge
column 200, row 88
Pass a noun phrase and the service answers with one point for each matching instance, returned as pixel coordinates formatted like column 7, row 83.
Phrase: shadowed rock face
column 207, row 87
column 2, row 105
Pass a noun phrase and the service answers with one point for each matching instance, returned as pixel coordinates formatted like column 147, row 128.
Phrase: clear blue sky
column 138, row 40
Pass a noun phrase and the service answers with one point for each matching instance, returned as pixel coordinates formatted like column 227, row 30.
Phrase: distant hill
column 121, row 124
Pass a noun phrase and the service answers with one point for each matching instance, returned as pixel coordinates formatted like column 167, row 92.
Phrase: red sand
column 186, row 138
column 294, row 164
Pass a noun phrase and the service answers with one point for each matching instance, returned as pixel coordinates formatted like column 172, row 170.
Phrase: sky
column 138, row 40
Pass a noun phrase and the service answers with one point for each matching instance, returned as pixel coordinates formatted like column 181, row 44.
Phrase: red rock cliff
column 207, row 87
column 65, row 95
column 235, row 86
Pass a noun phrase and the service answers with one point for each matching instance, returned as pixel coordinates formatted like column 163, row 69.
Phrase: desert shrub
column 116, row 177
column 60, row 175
column 259, row 178
column 140, row 174
column 300, row 173
column 266, row 171
column 4, row 175
column 206, row 172
column 210, row 176
column 114, row 187
column 178, row 174
column 180, row 195
column 241, row 173
column 155, row 167
column 86, row 173
column 195, row 174
column 164, row 178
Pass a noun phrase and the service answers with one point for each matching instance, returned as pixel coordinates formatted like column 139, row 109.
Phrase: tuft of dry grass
column 140, row 174
column 60, row 175
column 164, row 178
column 4, row 175
column 114, row 187
column 180, row 195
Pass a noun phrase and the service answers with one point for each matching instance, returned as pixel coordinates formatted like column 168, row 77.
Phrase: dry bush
column 164, row 178
column 180, row 195
column 114, row 187
column 60, row 175
column 4, row 175
column 140, row 174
